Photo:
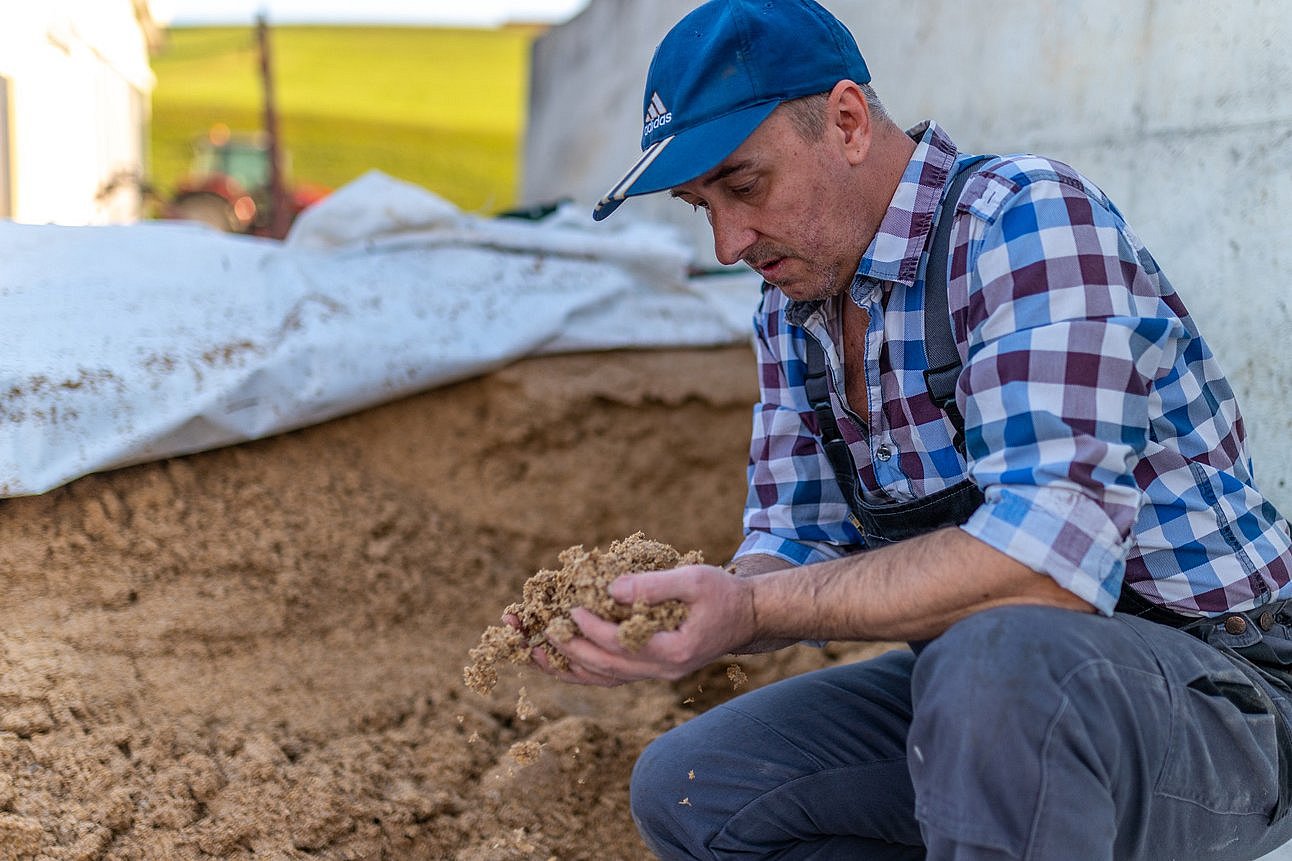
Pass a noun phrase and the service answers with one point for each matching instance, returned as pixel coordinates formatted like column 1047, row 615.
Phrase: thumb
column 651, row 587
column 625, row 588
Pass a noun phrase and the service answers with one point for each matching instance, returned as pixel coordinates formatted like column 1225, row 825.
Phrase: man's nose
column 732, row 237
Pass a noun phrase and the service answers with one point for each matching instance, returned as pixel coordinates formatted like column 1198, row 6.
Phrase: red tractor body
column 229, row 186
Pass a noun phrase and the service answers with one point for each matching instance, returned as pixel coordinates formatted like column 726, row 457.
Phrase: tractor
column 237, row 183
column 229, row 187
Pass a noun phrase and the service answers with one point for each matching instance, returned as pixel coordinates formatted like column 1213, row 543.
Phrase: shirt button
column 1235, row 625
column 1266, row 621
column 884, row 453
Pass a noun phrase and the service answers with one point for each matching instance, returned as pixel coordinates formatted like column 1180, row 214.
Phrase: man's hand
column 913, row 590
column 719, row 620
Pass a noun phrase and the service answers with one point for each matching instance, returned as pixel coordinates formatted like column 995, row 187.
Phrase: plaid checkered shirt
column 1106, row 440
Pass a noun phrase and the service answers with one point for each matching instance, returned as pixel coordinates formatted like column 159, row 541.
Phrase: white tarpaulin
column 128, row 344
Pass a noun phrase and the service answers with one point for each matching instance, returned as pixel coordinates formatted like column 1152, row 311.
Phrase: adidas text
column 663, row 120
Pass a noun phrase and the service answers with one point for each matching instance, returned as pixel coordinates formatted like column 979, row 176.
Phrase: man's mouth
column 770, row 267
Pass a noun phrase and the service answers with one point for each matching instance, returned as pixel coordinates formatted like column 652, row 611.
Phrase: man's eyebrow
column 718, row 175
column 723, row 173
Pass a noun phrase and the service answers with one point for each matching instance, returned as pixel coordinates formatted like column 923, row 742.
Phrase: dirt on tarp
column 257, row 652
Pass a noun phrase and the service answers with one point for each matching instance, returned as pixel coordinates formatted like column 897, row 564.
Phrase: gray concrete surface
column 1182, row 111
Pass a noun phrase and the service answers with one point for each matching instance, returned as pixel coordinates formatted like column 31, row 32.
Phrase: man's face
column 781, row 204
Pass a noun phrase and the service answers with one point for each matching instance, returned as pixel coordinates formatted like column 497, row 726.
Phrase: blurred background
column 182, row 108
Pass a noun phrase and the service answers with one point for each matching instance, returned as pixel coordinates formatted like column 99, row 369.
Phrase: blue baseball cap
column 719, row 73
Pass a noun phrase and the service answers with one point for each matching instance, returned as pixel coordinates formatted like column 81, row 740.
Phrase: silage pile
column 257, row 652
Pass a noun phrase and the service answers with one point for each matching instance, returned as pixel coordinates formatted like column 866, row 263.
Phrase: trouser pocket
column 1224, row 747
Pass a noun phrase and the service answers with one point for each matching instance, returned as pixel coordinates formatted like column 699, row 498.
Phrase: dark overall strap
column 817, row 387
column 1135, row 604
column 940, row 353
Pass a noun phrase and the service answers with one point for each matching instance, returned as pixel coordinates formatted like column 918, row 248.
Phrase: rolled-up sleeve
column 1066, row 336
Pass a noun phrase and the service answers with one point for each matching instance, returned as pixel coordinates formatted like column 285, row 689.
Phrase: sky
column 414, row 12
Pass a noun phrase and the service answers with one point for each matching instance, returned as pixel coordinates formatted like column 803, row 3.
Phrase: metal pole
column 279, row 216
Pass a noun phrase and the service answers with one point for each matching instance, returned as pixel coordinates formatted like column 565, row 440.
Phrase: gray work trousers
column 1021, row 733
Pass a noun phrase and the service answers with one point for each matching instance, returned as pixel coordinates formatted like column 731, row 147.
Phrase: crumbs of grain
column 525, row 708
column 737, row 676
column 525, row 752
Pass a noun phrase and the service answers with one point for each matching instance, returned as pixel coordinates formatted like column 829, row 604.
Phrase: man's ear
column 849, row 119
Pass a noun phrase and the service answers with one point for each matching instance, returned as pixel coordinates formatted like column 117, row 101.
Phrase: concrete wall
column 1182, row 111
column 78, row 86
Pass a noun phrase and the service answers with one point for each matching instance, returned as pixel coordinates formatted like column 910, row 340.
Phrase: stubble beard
column 816, row 285
column 819, row 282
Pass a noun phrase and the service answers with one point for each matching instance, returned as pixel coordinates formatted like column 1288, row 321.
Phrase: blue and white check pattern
column 1106, row 440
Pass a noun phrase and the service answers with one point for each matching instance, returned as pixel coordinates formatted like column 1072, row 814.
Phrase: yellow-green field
column 443, row 108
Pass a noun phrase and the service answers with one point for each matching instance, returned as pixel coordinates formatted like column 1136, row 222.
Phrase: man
column 1071, row 539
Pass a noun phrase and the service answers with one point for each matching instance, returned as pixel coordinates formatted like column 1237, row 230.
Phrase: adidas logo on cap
column 656, row 115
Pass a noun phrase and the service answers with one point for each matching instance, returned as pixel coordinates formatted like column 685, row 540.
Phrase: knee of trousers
column 999, row 677
column 658, row 786
column 1001, row 648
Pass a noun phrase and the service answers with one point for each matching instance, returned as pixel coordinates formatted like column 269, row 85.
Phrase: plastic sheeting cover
column 128, row 344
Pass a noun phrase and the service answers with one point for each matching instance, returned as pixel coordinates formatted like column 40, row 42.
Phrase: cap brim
column 678, row 159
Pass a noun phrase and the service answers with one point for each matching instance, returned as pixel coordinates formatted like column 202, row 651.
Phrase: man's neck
column 880, row 176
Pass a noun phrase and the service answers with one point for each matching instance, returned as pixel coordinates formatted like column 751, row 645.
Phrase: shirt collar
column 894, row 254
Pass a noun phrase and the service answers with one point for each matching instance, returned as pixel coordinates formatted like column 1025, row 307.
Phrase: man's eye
column 743, row 190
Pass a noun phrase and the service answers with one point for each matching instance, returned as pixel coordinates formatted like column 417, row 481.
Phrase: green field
column 442, row 108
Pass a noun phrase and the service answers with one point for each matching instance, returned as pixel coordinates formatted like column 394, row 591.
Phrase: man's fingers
column 601, row 653
column 655, row 587
column 589, row 652
column 576, row 674
column 600, row 631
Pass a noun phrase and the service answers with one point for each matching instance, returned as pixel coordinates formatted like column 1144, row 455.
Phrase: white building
column 75, row 89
